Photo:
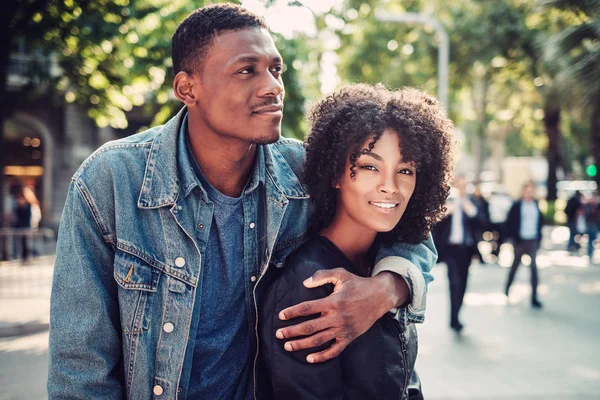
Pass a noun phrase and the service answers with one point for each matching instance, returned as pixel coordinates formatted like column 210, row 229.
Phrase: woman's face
column 377, row 196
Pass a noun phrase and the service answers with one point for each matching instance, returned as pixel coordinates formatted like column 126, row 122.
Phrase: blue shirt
column 222, row 361
column 529, row 220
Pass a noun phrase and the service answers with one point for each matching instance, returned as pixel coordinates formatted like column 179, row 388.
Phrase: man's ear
column 184, row 87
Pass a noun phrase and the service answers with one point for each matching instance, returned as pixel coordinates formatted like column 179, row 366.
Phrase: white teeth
column 384, row 205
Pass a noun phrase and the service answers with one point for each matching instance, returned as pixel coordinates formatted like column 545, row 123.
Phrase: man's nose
column 270, row 86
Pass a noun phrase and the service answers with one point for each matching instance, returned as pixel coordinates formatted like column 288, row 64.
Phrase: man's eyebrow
column 255, row 59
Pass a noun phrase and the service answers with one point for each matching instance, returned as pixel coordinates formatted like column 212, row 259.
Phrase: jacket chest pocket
column 133, row 273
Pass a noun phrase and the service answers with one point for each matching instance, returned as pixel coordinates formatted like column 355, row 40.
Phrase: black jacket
column 513, row 222
column 377, row 365
column 441, row 232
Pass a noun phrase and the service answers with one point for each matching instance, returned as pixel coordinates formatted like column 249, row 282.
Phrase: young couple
column 207, row 259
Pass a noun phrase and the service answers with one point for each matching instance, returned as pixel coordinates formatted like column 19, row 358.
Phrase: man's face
column 240, row 90
column 461, row 185
column 528, row 192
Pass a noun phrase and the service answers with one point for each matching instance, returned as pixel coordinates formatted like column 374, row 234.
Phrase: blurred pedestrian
column 590, row 212
column 482, row 221
column 571, row 211
column 499, row 206
column 36, row 216
column 524, row 228
column 454, row 238
column 21, row 220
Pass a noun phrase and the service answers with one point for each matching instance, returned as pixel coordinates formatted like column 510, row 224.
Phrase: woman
column 373, row 155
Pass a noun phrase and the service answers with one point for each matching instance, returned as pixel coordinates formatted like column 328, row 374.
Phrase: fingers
column 331, row 352
column 305, row 328
column 325, row 276
column 306, row 308
column 316, row 340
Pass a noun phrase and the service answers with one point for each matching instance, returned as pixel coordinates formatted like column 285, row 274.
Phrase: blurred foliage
column 514, row 63
column 114, row 56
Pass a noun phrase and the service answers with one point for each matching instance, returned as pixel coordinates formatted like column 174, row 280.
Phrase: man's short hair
column 194, row 36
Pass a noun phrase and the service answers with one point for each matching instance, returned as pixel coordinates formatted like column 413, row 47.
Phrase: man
column 167, row 236
column 590, row 211
column 483, row 221
column 455, row 239
column 499, row 206
column 571, row 211
column 524, row 226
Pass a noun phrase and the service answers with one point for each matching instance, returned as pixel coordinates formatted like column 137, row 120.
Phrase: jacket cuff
column 415, row 310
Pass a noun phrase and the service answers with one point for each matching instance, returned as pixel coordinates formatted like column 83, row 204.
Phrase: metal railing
column 26, row 262
column 25, row 243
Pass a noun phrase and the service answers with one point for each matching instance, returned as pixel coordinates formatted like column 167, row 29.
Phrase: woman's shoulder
column 315, row 254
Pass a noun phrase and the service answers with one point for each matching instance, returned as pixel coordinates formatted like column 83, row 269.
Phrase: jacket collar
column 166, row 176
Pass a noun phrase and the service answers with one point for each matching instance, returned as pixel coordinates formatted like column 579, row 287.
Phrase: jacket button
column 168, row 327
column 180, row 262
column 201, row 226
column 157, row 390
column 252, row 225
column 253, row 278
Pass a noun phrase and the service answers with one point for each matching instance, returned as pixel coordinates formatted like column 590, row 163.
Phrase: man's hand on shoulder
column 354, row 306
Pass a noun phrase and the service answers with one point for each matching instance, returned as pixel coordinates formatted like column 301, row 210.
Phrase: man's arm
column 356, row 302
column 85, row 333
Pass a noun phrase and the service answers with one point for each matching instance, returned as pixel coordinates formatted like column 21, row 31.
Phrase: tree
column 576, row 52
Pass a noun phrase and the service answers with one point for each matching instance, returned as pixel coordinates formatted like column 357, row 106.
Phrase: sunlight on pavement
column 588, row 373
column 560, row 234
column 33, row 344
column 590, row 288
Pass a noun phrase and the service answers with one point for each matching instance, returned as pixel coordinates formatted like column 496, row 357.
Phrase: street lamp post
column 444, row 46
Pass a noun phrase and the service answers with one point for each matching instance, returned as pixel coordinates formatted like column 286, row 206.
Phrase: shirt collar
column 169, row 174
column 189, row 168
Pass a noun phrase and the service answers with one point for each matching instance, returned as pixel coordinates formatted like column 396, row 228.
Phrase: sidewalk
column 511, row 351
column 25, row 296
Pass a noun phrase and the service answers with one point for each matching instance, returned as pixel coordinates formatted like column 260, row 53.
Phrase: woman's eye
column 406, row 171
column 369, row 167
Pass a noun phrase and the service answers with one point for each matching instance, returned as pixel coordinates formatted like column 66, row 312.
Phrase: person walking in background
column 482, row 222
column 571, row 209
column 524, row 226
column 21, row 220
column 590, row 212
column 36, row 215
column 454, row 238
column 499, row 206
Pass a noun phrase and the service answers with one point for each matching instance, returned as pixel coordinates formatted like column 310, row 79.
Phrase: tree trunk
column 480, row 102
column 551, row 124
column 596, row 139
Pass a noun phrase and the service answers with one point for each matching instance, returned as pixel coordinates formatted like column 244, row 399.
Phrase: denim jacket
column 130, row 248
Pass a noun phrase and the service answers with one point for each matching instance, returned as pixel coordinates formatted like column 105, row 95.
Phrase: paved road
column 507, row 351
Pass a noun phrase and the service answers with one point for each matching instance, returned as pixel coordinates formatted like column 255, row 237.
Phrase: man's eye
column 277, row 68
column 247, row 70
